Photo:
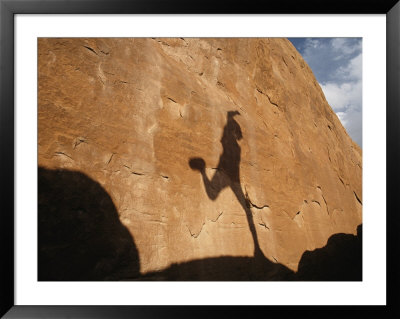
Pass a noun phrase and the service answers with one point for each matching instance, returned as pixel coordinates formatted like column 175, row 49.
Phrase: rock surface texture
column 188, row 159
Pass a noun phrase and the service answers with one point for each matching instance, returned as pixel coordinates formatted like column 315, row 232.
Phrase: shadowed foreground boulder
column 80, row 234
column 340, row 259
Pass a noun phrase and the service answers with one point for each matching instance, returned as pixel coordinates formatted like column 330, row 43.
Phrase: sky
column 337, row 65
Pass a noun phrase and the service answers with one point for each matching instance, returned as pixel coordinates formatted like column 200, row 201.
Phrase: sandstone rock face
column 207, row 148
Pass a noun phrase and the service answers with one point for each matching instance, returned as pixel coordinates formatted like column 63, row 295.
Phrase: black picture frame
column 8, row 10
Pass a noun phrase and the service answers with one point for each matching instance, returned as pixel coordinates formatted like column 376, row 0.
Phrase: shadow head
column 234, row 126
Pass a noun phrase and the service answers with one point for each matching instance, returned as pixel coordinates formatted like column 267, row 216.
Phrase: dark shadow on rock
column 227, row 173
column 80, row 236
column 339, row 260
column 227, row 268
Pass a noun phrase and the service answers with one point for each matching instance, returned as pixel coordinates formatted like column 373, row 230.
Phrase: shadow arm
column 215, row 185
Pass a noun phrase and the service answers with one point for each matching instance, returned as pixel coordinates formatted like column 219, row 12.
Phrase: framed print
column 159, row 155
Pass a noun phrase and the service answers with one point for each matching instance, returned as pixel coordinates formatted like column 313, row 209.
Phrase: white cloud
column 311, row 48
column 345, row 46
column 313, row 43
column 343, row 96
column 346, row 101
column 337, row 65
column 352, row 71
column 342, row 117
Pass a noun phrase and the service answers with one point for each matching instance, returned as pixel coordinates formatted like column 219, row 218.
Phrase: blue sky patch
column 337, row 65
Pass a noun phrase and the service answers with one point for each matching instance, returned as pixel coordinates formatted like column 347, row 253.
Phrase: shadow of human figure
column 228, row 172
column 80, row 235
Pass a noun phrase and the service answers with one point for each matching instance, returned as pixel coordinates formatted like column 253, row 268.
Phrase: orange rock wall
column 131, row 113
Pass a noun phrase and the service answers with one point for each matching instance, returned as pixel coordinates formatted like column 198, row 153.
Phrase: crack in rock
column 258, row 207
column 63, row 154
column 326, row 204
column 137, row 173
column 264, row 225
column 90, row 49
column 358, row 199
column 79, row 140
column 194, row 235
column 110, row 158
column 269, row 99
column 171, row 99
column 250, row 203
column 214, row 220
column 317, row 202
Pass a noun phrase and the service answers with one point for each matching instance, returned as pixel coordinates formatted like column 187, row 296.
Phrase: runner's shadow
column 340, row 259
column 228, row 172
